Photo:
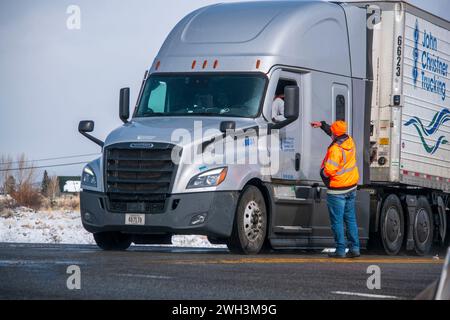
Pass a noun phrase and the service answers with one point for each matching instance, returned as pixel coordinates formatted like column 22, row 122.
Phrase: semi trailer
column 381, row 66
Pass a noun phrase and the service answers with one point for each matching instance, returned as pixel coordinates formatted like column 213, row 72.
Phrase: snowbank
column 27, row 226
column 23, row 225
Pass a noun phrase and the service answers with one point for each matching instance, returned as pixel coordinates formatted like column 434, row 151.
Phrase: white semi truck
column 382, row 66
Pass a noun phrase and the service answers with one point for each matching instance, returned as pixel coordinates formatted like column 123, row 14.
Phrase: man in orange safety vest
column 339, row 172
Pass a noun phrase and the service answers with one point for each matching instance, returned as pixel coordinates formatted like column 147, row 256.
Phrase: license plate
column 135, row 219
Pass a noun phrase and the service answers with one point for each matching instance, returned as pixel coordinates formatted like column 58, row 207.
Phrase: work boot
column 335, row 255
column 353, row 255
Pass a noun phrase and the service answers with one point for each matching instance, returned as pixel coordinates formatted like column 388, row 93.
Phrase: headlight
column 208, row 179
column 88, row 178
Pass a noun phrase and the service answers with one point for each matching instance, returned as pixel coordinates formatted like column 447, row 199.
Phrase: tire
column 112, row 241
column 250, row 223
column 447, row 236
column 392, row 225
column 423, row 227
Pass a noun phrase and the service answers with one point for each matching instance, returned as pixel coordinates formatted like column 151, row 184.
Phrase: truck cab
column 205, row 153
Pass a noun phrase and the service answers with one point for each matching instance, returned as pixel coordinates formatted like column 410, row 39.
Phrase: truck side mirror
column 291, row 102
column 227, row 126
column 86, row 127
column 291, row 108
column 124, row 111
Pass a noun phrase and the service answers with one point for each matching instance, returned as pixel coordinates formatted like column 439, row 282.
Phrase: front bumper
column 219, row 206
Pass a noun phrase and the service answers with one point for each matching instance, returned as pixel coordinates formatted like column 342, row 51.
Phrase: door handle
column 298, row 160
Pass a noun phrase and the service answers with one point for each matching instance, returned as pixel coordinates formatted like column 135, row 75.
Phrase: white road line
column 365, row 295
column 30, row 263
column 146, row 276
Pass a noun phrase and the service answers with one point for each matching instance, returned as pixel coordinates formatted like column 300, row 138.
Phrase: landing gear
column 112, row 241
column 250, row 225
column 392, row 226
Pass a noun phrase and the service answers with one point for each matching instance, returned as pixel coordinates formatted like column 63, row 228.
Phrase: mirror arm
column 280, row 125
column 93, row 139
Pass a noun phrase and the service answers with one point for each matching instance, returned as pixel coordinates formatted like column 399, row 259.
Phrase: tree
column 25, row 172
column 45, row 184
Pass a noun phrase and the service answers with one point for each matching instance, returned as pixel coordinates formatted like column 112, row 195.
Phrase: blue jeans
column 342, row 210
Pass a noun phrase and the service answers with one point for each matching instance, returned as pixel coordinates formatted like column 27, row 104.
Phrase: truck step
column 297, row 201
column 292, row 230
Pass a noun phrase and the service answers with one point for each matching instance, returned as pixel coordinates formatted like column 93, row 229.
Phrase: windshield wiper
column 153, row 114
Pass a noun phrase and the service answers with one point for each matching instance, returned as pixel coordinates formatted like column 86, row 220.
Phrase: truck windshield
column 225, row 95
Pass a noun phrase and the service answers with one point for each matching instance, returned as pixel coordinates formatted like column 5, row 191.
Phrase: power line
column 50, row 159
column 44, row 167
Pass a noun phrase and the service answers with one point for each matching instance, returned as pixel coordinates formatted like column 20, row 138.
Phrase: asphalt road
column 40, row 272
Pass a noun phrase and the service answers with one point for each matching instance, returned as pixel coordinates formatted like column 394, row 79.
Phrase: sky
column 51, row 77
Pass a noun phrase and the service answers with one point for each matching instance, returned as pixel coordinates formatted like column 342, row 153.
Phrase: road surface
column 40, row 272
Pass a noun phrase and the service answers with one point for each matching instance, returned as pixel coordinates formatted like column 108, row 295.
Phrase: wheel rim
column 392, row 225
column 253, row 221
column 422, row 226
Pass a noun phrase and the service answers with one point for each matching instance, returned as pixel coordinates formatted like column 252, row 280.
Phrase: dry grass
column 6, row 213
column 66, row 203
column 6, row 206
column 18, row 177
column 28, row 196
column 22, row 174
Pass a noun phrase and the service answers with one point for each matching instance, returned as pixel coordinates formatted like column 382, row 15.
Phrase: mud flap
column 442, row 219
column 411, row 202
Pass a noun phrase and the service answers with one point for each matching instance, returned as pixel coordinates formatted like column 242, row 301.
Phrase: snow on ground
column 28, row 226
column 63, row 227
column 193, row 242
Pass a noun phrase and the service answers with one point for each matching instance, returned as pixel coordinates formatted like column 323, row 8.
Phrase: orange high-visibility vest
column 340, row 165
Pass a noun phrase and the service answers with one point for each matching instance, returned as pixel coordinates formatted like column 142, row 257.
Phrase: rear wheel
column 112, row 241
column 392, row 227
column 423, row 227
column 250, row 223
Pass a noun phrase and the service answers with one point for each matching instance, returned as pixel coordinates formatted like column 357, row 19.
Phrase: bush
column 7, row 202
column 17, row 178
column 71, row 203
column 6, row 205
column 6, row 213
column 28, row 196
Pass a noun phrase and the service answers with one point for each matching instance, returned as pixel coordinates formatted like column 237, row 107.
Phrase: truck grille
column 138, row 177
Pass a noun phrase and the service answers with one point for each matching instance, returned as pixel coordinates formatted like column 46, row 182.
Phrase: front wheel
column 112, row 241
column 250, row 223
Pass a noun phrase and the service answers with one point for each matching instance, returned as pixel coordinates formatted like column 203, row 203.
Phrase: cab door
column 292, row 215
column 289, row 158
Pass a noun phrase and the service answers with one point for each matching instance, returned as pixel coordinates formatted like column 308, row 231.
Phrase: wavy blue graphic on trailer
column 439, row 119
